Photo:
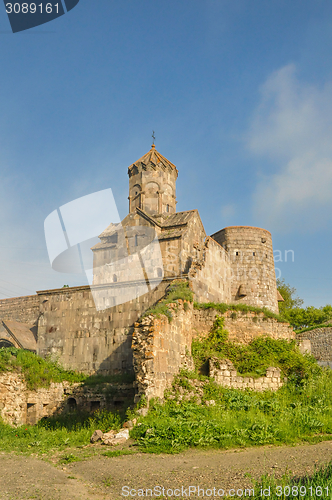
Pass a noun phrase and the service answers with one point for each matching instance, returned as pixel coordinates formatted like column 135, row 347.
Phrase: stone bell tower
column 152, row 183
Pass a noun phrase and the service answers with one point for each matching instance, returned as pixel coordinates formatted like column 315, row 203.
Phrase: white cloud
column 292, row 127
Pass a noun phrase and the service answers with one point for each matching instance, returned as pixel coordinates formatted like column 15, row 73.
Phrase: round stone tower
column 252, row 263
column 152, row 184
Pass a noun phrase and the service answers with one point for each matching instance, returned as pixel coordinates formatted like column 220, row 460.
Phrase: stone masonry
column 224, row 373
column 317, row 342
column 20, row 406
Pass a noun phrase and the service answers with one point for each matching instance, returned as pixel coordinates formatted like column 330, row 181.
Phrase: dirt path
column 101, row 478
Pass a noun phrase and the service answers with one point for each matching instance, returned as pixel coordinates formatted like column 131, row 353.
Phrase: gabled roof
column 154, row 158
column 22, row 334
column 169, row 220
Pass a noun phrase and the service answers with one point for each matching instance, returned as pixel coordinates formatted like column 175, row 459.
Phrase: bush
column 252, row 359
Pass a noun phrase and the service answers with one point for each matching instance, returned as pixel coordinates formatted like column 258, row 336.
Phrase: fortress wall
column 318, row 342
column 210, row 276
column 242, row 326
column 251, row 257
column 84, row 339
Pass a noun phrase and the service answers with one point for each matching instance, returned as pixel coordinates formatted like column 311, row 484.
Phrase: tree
column 297, row 316
column 288, row 293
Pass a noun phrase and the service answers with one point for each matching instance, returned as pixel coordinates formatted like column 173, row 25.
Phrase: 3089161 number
column 31, row 8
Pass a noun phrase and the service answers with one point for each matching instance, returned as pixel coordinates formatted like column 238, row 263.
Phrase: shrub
column 252, row 359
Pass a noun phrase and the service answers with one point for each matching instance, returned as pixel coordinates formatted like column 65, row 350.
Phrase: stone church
column 233, row 265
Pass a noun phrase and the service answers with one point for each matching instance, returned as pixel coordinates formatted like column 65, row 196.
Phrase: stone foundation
column 19, row 406
column 224, row 373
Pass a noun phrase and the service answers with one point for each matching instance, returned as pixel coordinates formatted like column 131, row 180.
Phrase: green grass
column 178, row 289
column 117, row 453
column 297, row 412
column 254, row 358
column 315, row 486
column 57, row 433
column 222, row 308
column 313, row 327
column 36, row 371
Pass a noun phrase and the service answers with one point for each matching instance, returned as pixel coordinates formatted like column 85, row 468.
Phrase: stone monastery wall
column 84, row 339
column 210, row 274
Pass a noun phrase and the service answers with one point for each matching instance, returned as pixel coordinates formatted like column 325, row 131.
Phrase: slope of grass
column 178, row 289
column 36, row 371
column 57, row 433
column 222, row 308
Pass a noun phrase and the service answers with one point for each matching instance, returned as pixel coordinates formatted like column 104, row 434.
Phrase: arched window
column 159, row 272
column 115, row 279
column 167, row 208
column 136, row 240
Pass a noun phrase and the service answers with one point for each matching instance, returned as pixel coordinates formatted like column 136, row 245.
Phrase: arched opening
column 167, row 208
column 72, row 404
column 6, row 343
column 115, row 278
column 136, row 240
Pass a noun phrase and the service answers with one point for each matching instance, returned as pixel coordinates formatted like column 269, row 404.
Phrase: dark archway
column 71, row 404
column 6, row 343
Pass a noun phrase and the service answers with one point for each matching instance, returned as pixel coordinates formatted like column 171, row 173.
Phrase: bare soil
column 99, row 478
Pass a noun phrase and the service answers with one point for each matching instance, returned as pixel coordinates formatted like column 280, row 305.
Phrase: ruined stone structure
column 317, row 342
column 134, row 263
column 161, row 348
column 19, row 405
column 224, row 373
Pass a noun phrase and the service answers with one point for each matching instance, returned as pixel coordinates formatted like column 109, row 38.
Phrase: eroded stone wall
column 161, row 348
column 242, row 326
column 20, row 406
column 224, row 373
column 317, row 342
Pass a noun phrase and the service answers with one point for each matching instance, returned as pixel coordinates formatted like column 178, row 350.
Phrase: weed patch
column 179, row 289
column 222, row 308
column 252, row 359
column 37, row 372
column 297, row 412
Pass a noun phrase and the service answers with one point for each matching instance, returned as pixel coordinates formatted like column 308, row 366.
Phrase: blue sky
column 239, row 94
